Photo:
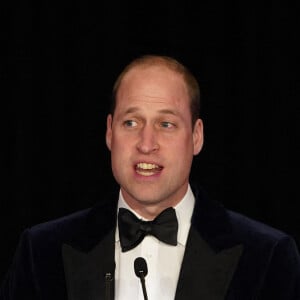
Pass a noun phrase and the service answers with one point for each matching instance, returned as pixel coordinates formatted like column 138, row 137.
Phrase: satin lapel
column 85, row 272
column 90, row 254
column 206, row 274
column 212, row 252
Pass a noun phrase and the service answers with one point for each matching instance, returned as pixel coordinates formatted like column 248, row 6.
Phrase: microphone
column 141, row 270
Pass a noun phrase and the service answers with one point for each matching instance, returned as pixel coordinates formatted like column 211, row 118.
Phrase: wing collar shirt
column 164, row 261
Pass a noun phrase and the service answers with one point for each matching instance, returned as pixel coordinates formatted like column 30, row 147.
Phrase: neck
column 148, row 209
column 149, row 212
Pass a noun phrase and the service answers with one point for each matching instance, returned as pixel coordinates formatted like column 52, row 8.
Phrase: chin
column 143, row 198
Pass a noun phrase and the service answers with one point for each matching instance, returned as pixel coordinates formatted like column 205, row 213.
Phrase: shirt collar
column 184, row 211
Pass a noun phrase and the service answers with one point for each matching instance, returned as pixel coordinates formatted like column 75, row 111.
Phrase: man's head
column 154, row 133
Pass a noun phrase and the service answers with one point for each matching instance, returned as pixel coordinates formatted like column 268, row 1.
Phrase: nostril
column 147, row 147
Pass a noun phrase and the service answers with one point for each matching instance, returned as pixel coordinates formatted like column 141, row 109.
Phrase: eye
column 130, row 123
column 167, row 124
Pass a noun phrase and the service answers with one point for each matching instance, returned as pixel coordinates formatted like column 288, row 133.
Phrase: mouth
column 147, row 169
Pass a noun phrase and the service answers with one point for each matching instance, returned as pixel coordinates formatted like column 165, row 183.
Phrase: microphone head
column 140, row 267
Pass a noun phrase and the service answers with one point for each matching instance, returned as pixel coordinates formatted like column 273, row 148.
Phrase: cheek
column 117, row 141
column 183, row 153
column 120, row 149
column 182, row 145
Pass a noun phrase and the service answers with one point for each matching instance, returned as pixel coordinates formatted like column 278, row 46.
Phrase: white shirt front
column 163, row 261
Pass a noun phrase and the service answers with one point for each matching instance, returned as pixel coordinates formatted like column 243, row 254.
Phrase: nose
column 147, row 142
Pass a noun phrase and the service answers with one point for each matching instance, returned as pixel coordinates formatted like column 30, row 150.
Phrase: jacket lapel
column 206, row 274
column 86, row 272
column 212, row 254
column 89, row 257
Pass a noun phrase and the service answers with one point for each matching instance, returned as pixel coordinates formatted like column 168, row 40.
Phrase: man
column 205, row 252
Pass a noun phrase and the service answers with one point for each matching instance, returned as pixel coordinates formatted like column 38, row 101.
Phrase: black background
column 58, row 64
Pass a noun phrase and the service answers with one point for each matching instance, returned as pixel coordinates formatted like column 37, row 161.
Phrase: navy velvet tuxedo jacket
column 228, row 256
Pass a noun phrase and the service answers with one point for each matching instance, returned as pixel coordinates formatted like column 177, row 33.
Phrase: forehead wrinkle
column 165, row 111
column 152, row 99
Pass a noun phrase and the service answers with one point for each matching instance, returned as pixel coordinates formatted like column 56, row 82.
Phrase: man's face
column 151, row 139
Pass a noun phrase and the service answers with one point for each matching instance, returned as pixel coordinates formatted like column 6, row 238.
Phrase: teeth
column 144, row 173
column 146, row 169
column 146, row 166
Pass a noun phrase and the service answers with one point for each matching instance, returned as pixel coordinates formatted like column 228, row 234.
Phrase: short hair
column 173, row 65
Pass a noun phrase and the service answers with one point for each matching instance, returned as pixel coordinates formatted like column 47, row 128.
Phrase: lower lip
column 147, row 175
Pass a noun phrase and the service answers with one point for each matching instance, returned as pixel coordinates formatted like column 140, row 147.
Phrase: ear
column 198, row 136
column 108, row 135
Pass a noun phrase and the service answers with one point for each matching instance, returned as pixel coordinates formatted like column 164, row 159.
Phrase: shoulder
column 251, row 230
column 269, row 255
column 216, row 222
column 62, row 225
column 266, row 243
column 54, row 233
column 82, row 229
column 222, row 227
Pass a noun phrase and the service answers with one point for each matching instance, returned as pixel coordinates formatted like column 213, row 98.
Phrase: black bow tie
column 133, row 230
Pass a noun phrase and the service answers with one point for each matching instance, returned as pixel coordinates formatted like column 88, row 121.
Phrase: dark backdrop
column 58, row 64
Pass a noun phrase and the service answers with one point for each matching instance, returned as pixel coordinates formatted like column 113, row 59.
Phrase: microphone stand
column 142, row 277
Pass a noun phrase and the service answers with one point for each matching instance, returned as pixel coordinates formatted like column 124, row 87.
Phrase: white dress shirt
column 164, row 261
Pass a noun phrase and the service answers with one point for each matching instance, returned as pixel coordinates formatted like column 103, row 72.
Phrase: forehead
column 155, row 84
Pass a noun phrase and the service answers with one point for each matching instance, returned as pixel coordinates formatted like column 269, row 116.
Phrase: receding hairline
column 146, row 61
